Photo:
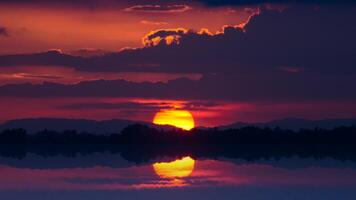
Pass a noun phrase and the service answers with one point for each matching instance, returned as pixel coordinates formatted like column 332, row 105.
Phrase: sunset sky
column 224, row 61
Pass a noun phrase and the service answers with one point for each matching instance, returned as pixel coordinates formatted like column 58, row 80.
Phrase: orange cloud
column 33, row 28
column 153, row 22
column 169, row 36
column 158, row 8
column 173, row 36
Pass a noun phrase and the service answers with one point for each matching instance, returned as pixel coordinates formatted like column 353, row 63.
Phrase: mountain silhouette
column 58, row 124
column 117, row 125
column 34, row 125
column 295, row 124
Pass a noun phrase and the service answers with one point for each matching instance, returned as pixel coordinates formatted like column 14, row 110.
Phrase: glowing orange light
column 178, row 118
column 176, row 169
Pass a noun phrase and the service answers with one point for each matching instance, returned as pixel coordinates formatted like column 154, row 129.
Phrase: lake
column 107, row 175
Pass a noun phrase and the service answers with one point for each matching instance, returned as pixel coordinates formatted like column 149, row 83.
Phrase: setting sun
column 178, row 118
column 176, row 169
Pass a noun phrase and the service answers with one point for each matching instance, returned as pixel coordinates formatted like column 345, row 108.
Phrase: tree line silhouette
column 140, row 143
column 143, row 134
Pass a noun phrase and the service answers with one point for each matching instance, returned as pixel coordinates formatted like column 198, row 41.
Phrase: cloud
column 320, row 40
column 87, row 52
column 120, row 106
column 167, row 36
column 300, row 53
column 156, row 23
column 292, row 69
column 97, row 3
column 41, row 76
column 259, row 88
column 158, row 8
column 91, row 4
column 200, row 105
column 251, row 2
column 4, row 32
column 131, row 105
column 51, row 58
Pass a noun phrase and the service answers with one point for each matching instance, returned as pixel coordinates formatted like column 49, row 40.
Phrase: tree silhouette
column 140, row 143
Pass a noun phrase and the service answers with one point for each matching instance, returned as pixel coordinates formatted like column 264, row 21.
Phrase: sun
column 179, row 118
column 176, row 169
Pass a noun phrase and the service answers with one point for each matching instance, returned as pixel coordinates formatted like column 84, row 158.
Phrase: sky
column 224, row 61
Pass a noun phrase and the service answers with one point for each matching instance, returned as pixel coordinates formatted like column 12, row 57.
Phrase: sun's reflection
column 175, row 171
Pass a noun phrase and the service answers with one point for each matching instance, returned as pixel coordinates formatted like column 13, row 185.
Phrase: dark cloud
column 4, row 32
column 165, row 36
column 87, row 52
column 120, row 106
column 158, row 8
column 153, row 106
column 301, row 53
column 317, row 40
column 282, row 88
column 314, row 39
column 53, row 57
column 251, row 2
column 199, row 105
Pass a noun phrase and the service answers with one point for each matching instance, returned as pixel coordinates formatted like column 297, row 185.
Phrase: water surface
column 109, row 176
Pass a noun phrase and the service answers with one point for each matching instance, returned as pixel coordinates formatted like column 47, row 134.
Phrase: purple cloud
column 319, row 40
column 301, row 53
column 4, row 32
